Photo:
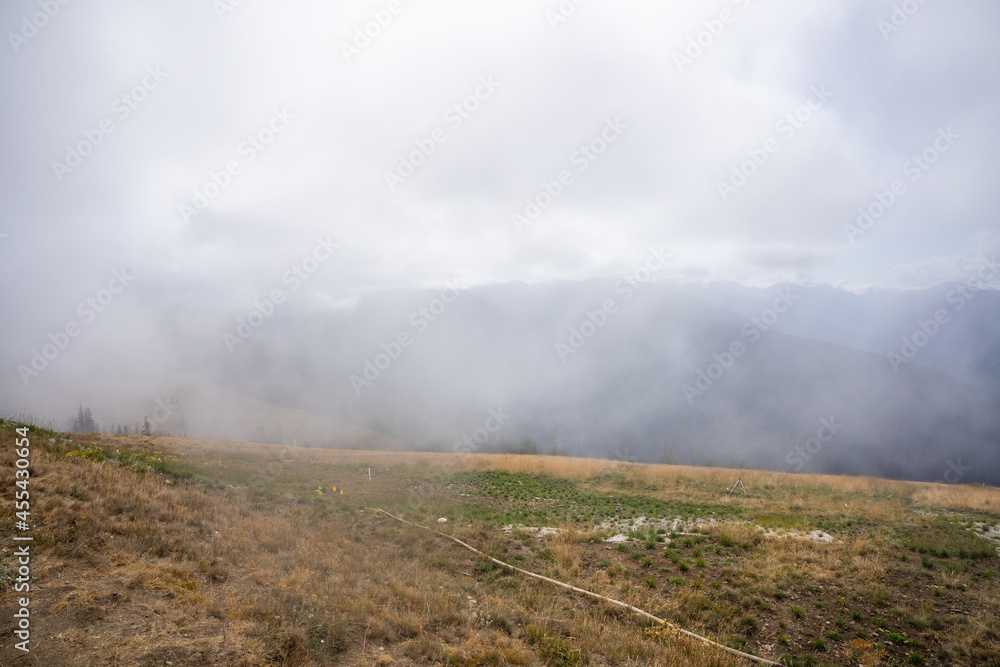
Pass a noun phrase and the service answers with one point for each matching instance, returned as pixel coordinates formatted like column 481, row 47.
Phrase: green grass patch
column 946, row 539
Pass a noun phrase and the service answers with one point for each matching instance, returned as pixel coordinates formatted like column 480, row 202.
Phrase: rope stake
column 640, row 612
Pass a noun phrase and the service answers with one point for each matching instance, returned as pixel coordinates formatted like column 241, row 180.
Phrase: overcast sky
column 832, row 97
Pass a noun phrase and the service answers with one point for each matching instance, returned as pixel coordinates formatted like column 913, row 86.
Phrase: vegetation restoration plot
column 605, row 500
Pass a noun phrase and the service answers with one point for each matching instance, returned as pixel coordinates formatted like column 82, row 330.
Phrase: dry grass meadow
column 157, row 551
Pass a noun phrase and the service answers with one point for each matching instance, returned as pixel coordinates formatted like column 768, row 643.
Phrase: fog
column 733, row 233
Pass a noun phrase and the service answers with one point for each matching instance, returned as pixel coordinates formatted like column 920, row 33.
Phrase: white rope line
column 582, row 591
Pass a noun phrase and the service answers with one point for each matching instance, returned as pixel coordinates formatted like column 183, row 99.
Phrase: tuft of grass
column 651, row 540
column 748, row 625
column 552, row 650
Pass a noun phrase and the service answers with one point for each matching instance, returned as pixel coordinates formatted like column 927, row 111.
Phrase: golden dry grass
column 140, row 568
column 690, row 478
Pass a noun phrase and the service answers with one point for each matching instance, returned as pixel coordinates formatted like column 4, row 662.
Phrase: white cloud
column 657, row 185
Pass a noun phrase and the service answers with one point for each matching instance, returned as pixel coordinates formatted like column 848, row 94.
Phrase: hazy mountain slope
column 178, row 404
column 624, row 389
column 966, row 346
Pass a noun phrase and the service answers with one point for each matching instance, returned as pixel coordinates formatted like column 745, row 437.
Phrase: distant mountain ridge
column 623, row 389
